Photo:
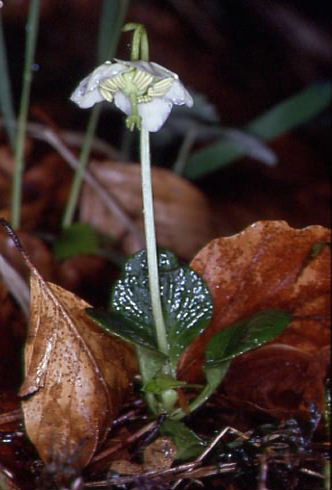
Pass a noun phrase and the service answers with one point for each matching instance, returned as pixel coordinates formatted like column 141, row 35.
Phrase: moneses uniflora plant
column 159, row 305
column 146, row 92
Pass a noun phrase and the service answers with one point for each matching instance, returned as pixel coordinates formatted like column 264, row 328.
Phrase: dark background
column 244, row 55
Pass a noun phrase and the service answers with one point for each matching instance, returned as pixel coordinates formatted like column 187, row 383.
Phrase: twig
column 13, row 416
column 15, row 284
column 131, row 439
column 315, row 474
column 213, row 443
column 71, row 138
column 53, row 139
column 185, row 471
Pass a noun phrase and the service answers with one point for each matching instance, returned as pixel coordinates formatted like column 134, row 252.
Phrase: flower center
column 139, row 86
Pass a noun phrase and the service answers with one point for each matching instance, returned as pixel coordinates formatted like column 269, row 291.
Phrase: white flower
column 144, row 90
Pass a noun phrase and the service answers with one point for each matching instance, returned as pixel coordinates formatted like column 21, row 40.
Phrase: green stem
column 6, row 99
column 140, row 44
column 112, row 15
column 32, row 30
column 79, row 174
column 150, row 237
column 195, row 404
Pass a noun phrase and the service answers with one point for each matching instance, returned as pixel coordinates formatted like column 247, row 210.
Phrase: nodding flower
column 143, row 90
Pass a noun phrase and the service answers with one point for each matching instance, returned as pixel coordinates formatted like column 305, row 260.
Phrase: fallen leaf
column 158, row 456
column 278, row 378
column 76, row 376
column 183, row 217
column 269, row 265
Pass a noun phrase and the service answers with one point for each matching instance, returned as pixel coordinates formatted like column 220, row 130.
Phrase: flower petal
column 122, row 102
column 150, row 67
column 87, row 93
column 178, row 95
column 154, row 113
column 85, row 98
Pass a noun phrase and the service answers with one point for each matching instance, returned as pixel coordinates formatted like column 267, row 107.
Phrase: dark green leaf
column 188, row 444
column 114, row 324
column 79, row 238
column 186, row 302
column 246, row 335
column 282, row 118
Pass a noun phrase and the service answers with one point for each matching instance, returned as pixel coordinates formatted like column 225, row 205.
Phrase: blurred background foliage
column 241, row 58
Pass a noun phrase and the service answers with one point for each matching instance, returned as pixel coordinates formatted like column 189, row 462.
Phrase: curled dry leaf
column 76, row 376
column 270, row 265
column 157, row 456
column 160, row 454
column 183, row 217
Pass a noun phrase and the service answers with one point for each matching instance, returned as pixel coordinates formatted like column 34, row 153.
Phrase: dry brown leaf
column 183, row 217
column 76, row 376
column 269, row 265
column 160, row 454
column 277, row 378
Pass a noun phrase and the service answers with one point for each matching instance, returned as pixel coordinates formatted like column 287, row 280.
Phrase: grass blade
column 6, row 99
column 30, row 47
column 282, row 118
column 111, row 20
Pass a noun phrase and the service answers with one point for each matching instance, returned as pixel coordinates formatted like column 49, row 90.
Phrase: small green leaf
column 188, row 444
column 79, row 238
column 162, row 383
column 151, row 363
column 246, row 335
column 185, row 298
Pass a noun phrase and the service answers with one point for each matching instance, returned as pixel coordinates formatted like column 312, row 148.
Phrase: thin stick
column 12, row 416
column 120, row 445
column 111, row 204
column 206, row 452
column 72, row 138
